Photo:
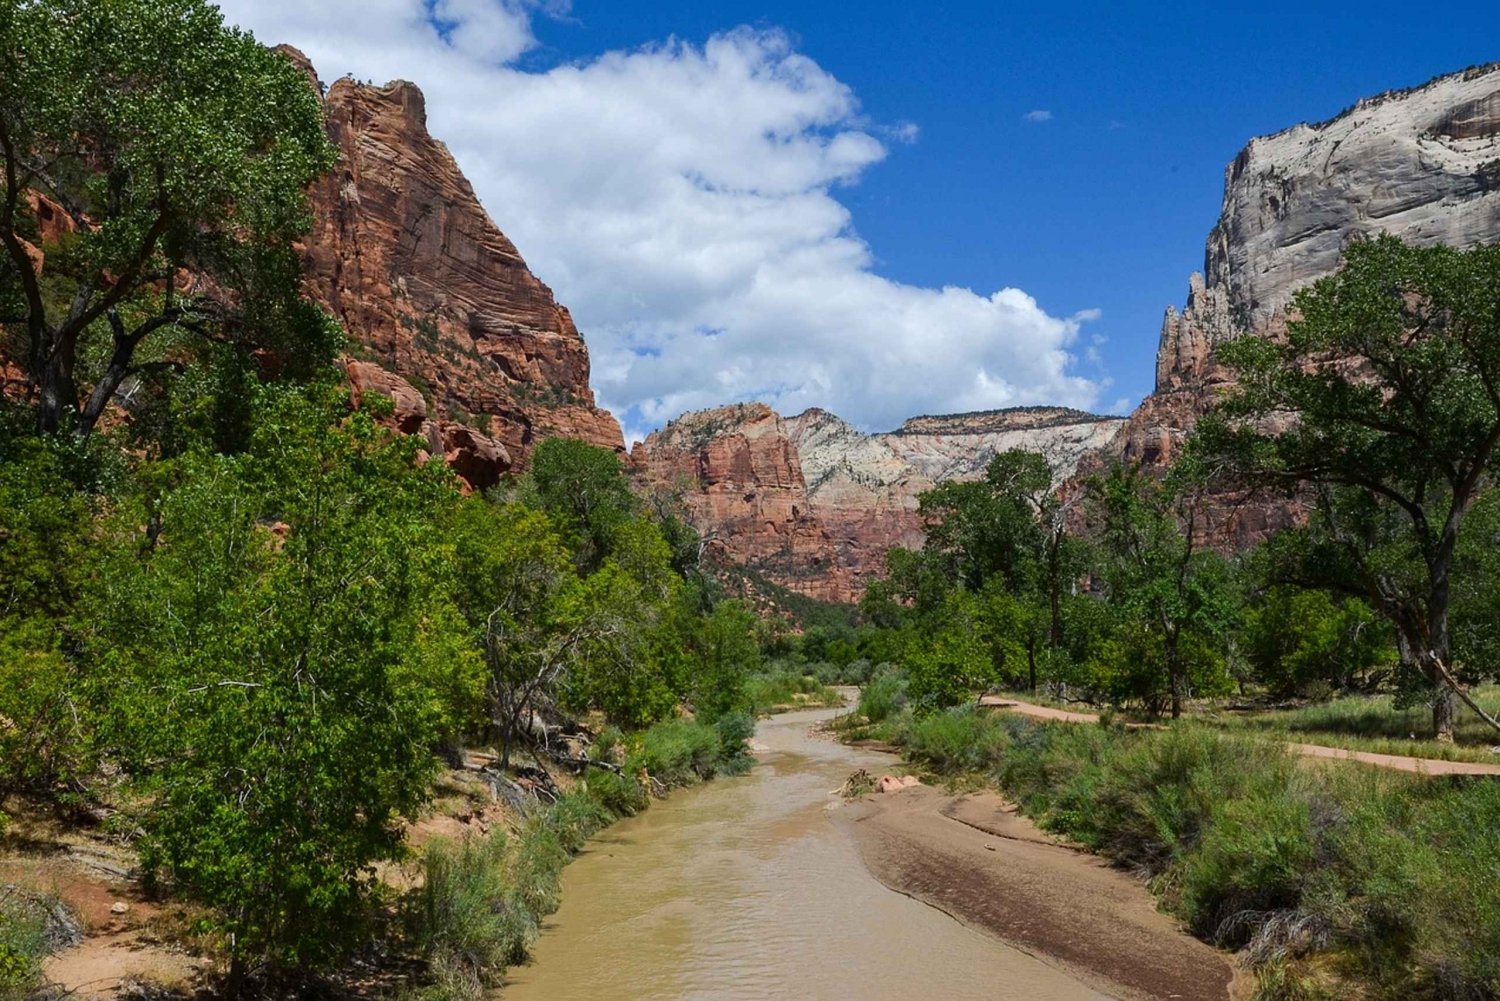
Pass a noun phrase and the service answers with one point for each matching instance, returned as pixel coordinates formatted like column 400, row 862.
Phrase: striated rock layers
column 446, row 318
column 812, row 504
column 1422, row 164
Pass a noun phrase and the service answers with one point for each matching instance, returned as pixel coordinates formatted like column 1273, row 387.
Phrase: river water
column 745, row 888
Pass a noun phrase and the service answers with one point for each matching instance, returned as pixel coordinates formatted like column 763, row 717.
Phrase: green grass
column 1333, row 882
column 1375, row 724
column 788, row 689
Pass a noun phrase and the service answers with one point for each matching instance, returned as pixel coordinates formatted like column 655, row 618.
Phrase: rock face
column 812, row 504
column 446, row 317
column 1422, row 164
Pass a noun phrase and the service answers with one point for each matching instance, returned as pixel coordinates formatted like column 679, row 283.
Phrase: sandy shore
column 978, row 860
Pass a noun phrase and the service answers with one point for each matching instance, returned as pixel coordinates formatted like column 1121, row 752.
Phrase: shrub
column 677, row 752
column 958, row 741
column 1255, row 859
column 578, row 816
column 621, row 795
column 884, row 695
column 534, row 865
column 464, row 917
column 23, row 945
column 734, row 731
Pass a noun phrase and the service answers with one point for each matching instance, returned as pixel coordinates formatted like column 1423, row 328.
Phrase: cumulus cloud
column 1038, row 116
column 682, row 199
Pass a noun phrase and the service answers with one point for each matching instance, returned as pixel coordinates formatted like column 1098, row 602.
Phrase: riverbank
column 1327, row 882
column 976, row 859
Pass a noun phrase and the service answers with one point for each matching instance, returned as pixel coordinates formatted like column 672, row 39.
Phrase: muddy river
column 746, row 888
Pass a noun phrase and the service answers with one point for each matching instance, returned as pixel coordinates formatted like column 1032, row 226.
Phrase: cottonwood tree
column 1382, row 406
column 1174, row 590
column 178, row 152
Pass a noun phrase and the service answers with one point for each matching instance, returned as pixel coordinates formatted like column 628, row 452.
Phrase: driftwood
column 584, row 763
column 1452, row 683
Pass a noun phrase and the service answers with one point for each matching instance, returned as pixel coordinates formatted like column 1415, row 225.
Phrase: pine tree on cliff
column 158, row 159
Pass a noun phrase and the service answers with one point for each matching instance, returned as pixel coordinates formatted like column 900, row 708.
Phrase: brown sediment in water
column 976, row 859
column 745, row 888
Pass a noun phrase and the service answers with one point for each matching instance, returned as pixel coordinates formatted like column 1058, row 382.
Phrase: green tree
column 1294, row 638
column 724, row 653
column 1176, row 592
column 1382, row 408
column 251, row 648
column 952, row 656
column 173, row 145
column 583, row 487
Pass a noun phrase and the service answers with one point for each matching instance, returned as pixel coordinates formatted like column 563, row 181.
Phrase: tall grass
column 1392, row 881
column 23, row 946
column 1377, row 724
column 788, row 689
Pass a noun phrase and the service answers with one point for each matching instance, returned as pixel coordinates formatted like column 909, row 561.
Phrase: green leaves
column 1382, row 409
column 171, row 143
column 278, row 624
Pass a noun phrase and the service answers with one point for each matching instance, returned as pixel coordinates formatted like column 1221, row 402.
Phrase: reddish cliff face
column 813, row 504
column 445, row 316
column 739, row 474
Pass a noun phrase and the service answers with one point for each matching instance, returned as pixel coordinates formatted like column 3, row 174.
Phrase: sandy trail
column 1395, row 762
column 975, row 858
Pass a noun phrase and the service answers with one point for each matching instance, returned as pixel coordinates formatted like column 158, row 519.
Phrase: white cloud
column 1038, row 116
column 681, row 199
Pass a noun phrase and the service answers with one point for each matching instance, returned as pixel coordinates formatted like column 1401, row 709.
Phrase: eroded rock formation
column 811, row 503
column 445, row 315
column 1422, row 164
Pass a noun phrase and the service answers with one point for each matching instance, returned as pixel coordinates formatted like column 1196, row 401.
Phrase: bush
column 781, row 689
column 1251, row 850
column 464, row 917
column 676, row 753
column 734, row 731
column 958, row 741
column 620, row 795
column 578, row 816
column 23, row 945
column 884, row 695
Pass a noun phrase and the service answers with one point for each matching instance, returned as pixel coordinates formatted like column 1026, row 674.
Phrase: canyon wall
column 812, row 504
column 1422, row 164
column 442, row 313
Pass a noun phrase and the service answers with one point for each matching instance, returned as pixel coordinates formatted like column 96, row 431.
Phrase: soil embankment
column 979, row 861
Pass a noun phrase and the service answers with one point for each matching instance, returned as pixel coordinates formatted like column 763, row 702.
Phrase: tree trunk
column 1174, row 677
column 56, row 392
column 1444, row 708
column 1436, row 654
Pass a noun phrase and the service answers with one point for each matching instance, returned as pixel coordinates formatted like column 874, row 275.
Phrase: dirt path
column 975, row 858
column 1395, row 762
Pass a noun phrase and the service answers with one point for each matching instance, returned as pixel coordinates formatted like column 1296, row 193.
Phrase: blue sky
column 1107, row 204
column 725, row 194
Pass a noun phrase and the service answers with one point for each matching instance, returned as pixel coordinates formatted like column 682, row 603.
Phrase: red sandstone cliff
column 813, row 504
column 445, row 316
